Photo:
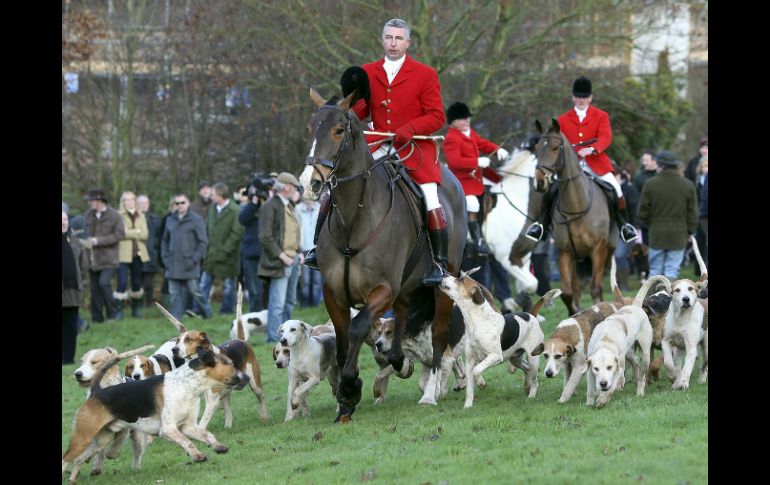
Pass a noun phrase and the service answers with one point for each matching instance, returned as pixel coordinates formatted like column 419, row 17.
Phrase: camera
column 260, row 185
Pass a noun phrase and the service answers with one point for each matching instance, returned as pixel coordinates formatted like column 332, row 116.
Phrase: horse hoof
column 428, row 401
column 344, row 415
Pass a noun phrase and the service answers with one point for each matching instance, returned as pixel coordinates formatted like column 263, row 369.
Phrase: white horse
column 504, row 223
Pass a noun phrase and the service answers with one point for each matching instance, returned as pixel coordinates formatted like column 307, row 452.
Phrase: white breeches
column 471, row 203
column 431, row 195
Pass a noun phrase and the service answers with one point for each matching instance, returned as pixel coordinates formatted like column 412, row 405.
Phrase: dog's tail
column 176, row 323
column 614, row 282
column 546, row 299
column 239, row 324
column 95, row 382
column 704, row 273
column 647, row 285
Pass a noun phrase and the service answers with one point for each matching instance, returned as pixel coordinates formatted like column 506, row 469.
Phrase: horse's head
column 332, row 129
column 550, row 155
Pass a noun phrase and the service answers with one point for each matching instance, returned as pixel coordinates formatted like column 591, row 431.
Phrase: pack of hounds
column 160, row 395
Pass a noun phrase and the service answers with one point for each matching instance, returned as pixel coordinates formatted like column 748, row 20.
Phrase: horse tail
column 546, row 299
column 614, row 282
column 647, row 285
column 422, row 308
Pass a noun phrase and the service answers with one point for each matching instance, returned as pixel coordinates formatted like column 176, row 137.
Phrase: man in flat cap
column 668, row 206
column 581, row 124
column 279, row 235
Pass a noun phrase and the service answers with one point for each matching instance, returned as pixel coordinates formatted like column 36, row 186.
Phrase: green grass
column 505, row 438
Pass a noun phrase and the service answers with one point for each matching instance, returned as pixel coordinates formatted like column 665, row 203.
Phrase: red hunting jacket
column 596, row 124
column 414, row 98
column 462, row 158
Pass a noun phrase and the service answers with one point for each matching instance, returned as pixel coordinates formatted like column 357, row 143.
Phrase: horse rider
column 581, row 124
column 405, row 99
column 462, row 147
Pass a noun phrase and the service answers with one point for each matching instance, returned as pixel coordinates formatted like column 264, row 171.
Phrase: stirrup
column 628, row 233
column 429, row 279
column 531, row 231
column 310, row 259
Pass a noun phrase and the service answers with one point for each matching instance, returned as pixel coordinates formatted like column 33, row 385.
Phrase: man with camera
column 279, row 235
column 251, row 248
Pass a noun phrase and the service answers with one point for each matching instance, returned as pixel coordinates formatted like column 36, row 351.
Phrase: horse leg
column 349, row 390
column 599, row 257
column 577, row 289
column 396, row 357
column 565, row 270
column 340, row 317
column 440, row 336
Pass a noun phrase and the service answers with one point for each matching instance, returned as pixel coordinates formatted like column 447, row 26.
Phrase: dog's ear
column 111, row 351
column 275, row 354
column 205, row 339
column 588, row 363
column 305, row 328
column 477, row 295
column 570, row 350
column 617, row 362
column 538, row 350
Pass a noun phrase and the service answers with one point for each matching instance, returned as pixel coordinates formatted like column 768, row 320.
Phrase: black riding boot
column 627, row 231
column 538, row 229
column 439, row 241
column 310, row 256
column 136, row 304
column 474, row 227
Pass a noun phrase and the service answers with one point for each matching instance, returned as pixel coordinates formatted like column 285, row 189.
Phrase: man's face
column 582, row 103
column 205, row 192
column 143, row 203
column 462, row 124
column 648, row 163
column 217, row 199
column 704, row 150
column 181, row 204
column 93, row 204
column 395, row 43
column 65, row 222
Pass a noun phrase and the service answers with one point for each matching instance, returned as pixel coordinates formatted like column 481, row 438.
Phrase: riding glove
column 483, row 162
column 403, row 136
column 502, row 154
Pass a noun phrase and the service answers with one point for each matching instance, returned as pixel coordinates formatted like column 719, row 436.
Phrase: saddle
column 608, row 188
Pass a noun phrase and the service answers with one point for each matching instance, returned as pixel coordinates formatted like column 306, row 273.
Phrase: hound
column 165, row 405
column 252, row 322
column 313, row 358
column 140, row 367
column 419, row 348
column 282, row 354
column 492, row 337
column 612, row 342
column 241, row 353
column 685, row 328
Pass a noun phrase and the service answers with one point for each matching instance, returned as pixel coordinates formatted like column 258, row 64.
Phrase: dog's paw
column 428, row 401
column 220, row 448
column 683, row 385
column 379, row 400
column 199, row 457
column 564, row 399
column 459, row 386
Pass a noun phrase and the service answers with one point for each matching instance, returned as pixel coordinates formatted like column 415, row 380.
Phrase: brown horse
column 582, row 224
column 372, row 250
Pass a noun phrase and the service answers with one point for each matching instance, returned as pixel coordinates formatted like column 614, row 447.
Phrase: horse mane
column 518, row 157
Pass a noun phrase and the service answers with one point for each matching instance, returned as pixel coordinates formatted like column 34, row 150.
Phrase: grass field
column 505, row 438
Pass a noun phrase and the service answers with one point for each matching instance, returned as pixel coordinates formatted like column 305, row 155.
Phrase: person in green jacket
column 223, row 256
column 668, row 206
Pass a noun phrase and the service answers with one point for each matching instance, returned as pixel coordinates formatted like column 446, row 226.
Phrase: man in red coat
column 585, row 122
column 404, row 97
column 462, row 147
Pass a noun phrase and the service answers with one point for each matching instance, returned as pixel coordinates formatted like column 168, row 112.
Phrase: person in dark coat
column 182, row 248
column 153, row 246
column 668, row 206
column 74, row 261
column 105, row 229
column 251, row 250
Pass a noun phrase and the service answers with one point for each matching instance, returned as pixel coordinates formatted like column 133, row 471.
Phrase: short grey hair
column 278, row 186
column 399, row 24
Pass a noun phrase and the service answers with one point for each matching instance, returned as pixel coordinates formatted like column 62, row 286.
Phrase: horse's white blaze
column 504, row 223
column 306, row 177
column 312, row 149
